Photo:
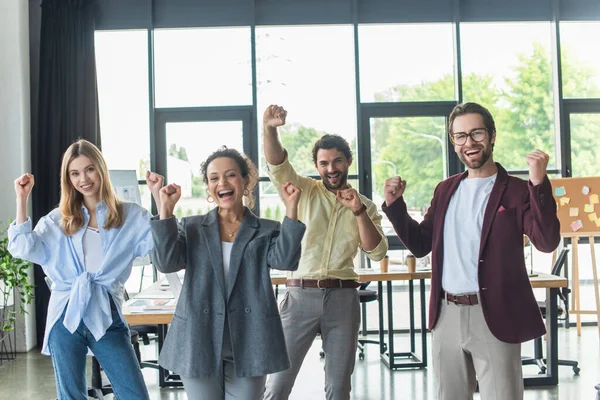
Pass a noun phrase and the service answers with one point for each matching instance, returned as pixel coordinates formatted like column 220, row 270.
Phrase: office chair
column 538, row 358
column 365, row 296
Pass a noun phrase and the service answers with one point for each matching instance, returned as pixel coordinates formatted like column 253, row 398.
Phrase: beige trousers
column 466, row 352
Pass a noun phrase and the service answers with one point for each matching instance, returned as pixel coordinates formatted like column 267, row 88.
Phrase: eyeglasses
column 477, row 135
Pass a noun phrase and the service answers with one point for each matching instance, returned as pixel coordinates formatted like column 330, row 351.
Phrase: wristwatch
column 361, row 210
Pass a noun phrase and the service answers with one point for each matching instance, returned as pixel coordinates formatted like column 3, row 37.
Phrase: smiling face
column 225, row 183
column 85, row 178
column 333, row 167
column 474, row 155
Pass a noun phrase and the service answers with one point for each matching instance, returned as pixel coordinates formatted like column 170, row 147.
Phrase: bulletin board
column 578, row 205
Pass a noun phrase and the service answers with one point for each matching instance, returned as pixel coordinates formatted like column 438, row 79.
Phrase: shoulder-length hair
column 71, row 200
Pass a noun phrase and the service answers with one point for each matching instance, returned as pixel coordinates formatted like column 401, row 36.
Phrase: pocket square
column 501, row 208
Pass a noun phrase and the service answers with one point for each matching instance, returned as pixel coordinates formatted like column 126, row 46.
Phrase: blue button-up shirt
column 84, row 294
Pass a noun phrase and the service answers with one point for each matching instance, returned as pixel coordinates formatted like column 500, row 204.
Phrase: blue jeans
column 113, row 351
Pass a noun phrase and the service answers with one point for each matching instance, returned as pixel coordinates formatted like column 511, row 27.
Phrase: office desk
column 549, row 282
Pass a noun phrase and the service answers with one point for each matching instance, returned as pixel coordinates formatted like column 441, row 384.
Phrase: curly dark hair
column 331, row 142
column 245, row 164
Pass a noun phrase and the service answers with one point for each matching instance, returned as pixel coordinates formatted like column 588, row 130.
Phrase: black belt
column 322, row 283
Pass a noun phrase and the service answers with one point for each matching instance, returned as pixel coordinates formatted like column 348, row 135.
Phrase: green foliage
column 198, row 189
column 13, row 275
column 179, row 153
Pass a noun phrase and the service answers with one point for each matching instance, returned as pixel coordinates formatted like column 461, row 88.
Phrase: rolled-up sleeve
column 379, row 252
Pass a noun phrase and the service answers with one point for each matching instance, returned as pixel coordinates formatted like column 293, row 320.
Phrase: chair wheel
column 322, row 354
column 576, row 370
column 361, row 356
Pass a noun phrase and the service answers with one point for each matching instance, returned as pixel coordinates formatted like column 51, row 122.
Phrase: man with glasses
column 321, row 296
column 482, row 306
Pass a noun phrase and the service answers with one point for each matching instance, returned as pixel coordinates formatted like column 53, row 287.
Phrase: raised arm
column 23, row 241
column 273, row 117
column 417, row 237
column 371, row 238
column 169, row 254
column 23, row 186
column 285, row 248
column 155, row 183
column 541, row 223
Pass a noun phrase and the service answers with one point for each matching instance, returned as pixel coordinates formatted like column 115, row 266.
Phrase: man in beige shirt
column 322, row 296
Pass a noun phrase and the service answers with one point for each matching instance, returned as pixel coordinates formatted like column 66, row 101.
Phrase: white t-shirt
column 226, row 246
column 92, row 250
column 462, row 235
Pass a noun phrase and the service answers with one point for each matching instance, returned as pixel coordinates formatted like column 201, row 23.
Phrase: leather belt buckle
column 319, row 284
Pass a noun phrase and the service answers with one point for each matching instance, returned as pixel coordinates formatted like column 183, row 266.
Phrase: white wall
column 15, row 124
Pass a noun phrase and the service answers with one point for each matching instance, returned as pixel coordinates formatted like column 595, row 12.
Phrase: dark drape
column 67, row 109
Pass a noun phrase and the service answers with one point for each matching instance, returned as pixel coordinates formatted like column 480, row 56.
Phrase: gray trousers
column 335, row 314
column 227, row 386
column 465, row 351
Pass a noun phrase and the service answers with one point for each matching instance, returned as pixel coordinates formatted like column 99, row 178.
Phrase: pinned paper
column 564, row 201
column 588, row 208
column 593, row 199
column 592, row 217
column 585, row 190
column 559, row 191
column 597, row 222
column 576, row 225
column 573, row 212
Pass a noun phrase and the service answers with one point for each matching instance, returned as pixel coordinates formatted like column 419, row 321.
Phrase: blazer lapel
column 210, row 228
column 247, row 230
column 492, row 207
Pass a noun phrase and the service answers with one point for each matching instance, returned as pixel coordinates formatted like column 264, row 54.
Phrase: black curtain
column 67, row 109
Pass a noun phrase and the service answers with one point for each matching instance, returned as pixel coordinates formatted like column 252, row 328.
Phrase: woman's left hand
column 155, row 181
column 290, row 194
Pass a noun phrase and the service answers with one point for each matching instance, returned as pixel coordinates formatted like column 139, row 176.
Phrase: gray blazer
column 193, row 346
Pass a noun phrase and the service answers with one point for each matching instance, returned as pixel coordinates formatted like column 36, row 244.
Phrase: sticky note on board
column 573, row 212
column 588, row 208
column 559, row 191
column 592, row 217
column 576, row 225
column 597, row 222
column 585, row 190
column 594, row 199
column 564, row 201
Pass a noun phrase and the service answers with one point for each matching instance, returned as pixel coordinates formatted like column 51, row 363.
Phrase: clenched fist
column 349, row 198
column 537, row 161
column 393, row 189
column 23, row 185
column 274, row 116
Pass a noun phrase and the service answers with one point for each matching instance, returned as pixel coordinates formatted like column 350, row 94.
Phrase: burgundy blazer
column 515, row 208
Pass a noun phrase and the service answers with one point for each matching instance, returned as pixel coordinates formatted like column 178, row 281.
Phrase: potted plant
column 13, row 280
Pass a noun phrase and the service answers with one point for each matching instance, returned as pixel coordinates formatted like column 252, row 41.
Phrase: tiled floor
column 30, row 376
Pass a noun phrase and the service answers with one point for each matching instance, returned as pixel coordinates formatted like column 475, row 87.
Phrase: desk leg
column 423, row 324
column 390, row 324
column 550, row 378
column 162, row 331
column 389, row 358
column 382, row 346
column 411, row 312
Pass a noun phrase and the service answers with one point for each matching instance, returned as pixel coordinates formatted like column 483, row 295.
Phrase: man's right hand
column 169, row 196
column 24, row 185
column 274, row 116
column 393, row 189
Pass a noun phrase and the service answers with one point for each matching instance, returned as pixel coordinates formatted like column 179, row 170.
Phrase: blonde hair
column 71, row 200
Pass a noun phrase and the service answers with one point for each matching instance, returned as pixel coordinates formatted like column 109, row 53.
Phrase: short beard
column 486, row 153
column 342, row 185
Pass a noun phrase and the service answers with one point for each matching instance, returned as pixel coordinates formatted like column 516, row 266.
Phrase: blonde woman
column 86, row 246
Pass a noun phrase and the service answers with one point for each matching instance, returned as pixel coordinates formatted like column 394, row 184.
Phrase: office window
column 406, row 62
column 507, row 67
column 580, row 59
column 203, row 67
column 122, row 69
column 309, row 70
column 585, row 142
